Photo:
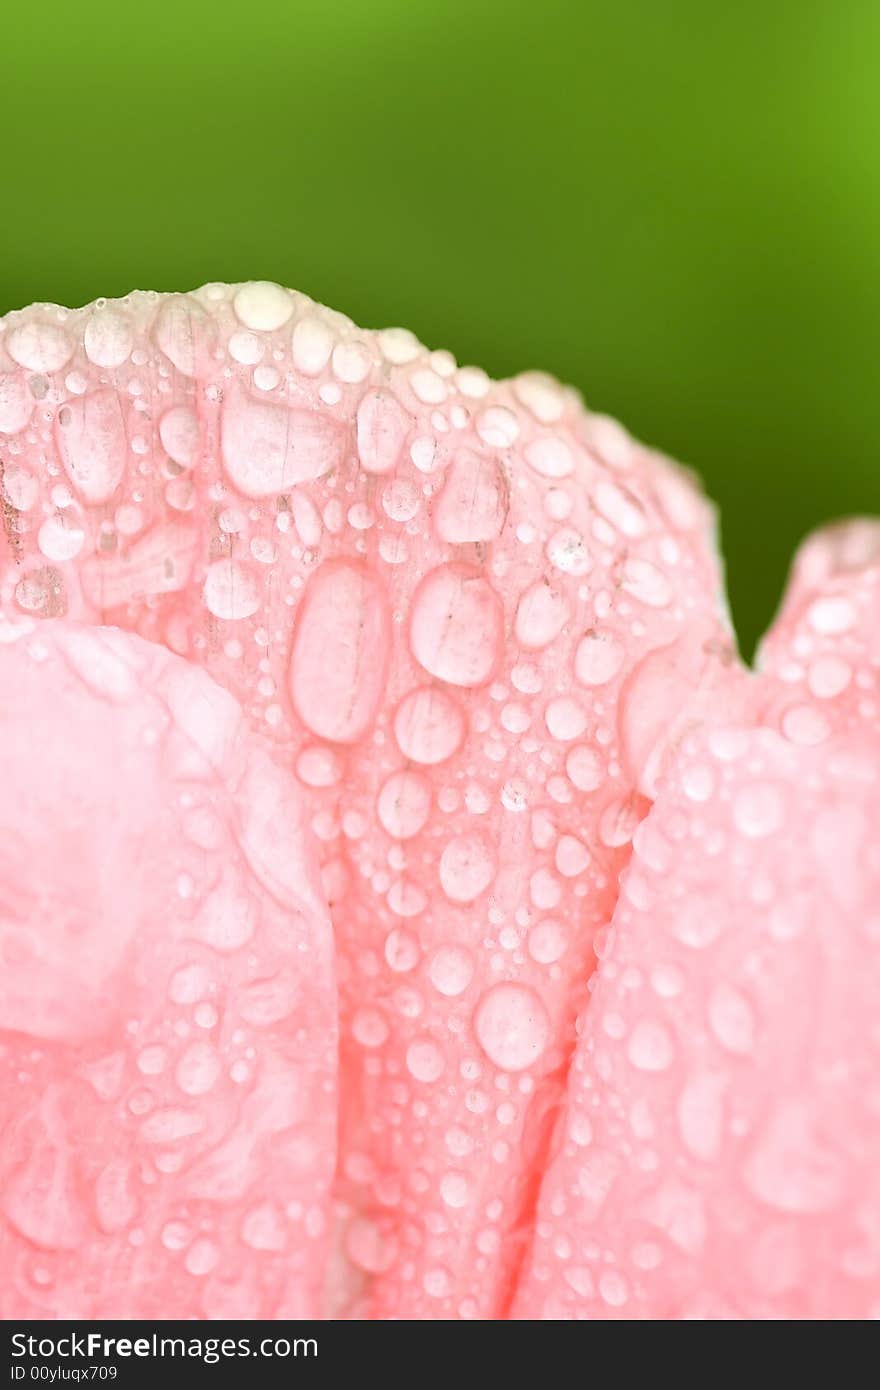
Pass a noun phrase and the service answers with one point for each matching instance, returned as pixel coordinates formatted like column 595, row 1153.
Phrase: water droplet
column 263, row 306
column 42, row 593
column 567, row 552
column 404, row 804
column 805, row 725
column 61, row 536
column 227, row 917
column 16, row 403
column 175, row 1235
column 231, row 591
column 168, row 1125
column 339, row 656
column 382, row 428
column 613, row 1288
column 201, row 1257
column 437, row 1283
column 268, row 448
column 832, row 616
column 512, row 1026
column 270, row 998
column 650, row 1046
column 550, row 456
column 369, row 1027
column 351, row 362
column 424, row 1060
column 646, row 583
column 451, row 970
column 698, row 781
column 428, row 726
column 467, row 868
column 456, row 625
column 828, row 677
column 179, row 435
column 584, row 768
column 547, row 941
column 20, row 487
column 473, row 504
column 541, row 615
column 701, row 1115
column 732, row 1019
column 572, row 856
column 454, row 1190
column 758, row 810
column 789, row 1168
column 264, row 1228
column 370, row 1245
column 91, row 436
column 618, row 822
column 312, row 344
column 318, row 767
column 598, row 658
column 621, row 508
column 39, row 346
column 401, row 500
column 198, row 1069
column 565, row 719
column 184, row 332
column 189, row 984
column 107, row 339
column 402, row 951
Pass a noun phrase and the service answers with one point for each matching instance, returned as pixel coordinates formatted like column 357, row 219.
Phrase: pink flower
column 411, row 907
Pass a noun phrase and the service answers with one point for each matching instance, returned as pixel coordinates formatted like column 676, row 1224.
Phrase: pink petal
column 166, row 998
column 717, row 1152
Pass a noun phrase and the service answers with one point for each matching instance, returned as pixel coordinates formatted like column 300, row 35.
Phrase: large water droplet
column 404, row 804
column 340, row 652
column 39, row 346
column 424, row 1060
column 382, row 427
column 473, row 504
column 108, row 339
column 263, row 306
column 598, row 658
column 428, row 726
column 269, row 448
column 231, row 590
column 179, row 435
column 184, row 332
column 541, row 615
column 456, row 625
column 91, row 436
column 512, row 1026
column 467, row 868
column 451, row 970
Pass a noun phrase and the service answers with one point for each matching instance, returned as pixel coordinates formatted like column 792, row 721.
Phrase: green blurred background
column 671, row 203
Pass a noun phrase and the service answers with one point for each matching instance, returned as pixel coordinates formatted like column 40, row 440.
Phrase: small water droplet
column 424, row 1060
column 451, row 970
column 404, row 804
column 651, row 1047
